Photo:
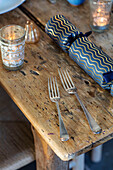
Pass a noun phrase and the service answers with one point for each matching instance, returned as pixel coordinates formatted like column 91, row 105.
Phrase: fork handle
column 63, row 132
column 93, row 125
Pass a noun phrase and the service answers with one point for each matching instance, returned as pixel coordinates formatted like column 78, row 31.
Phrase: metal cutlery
column 71, row 89
column 55, row 97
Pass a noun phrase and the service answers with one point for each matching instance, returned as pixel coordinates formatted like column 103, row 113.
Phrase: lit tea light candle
column 12, row 46
column 100, row 21
column 100, row 14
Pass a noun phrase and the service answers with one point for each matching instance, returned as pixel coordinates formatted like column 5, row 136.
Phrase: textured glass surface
column 12, row 46
column 100, row 14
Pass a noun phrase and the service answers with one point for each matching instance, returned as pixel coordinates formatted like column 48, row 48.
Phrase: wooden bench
column 16, row 140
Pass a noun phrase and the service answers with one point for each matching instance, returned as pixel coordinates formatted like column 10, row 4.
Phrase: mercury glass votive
column 12, row 39
column 100, row 11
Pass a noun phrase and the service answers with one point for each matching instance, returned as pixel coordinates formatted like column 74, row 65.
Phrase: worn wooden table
column 30, row 91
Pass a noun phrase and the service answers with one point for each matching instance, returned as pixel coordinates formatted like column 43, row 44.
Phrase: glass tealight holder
column 12, row 40
column 100, row 12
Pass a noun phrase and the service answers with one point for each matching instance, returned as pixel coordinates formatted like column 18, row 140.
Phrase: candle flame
column 12, row 37
column 99, row 10
column 102, row 19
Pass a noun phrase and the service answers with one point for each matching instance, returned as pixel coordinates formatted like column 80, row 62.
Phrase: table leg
column 79, row 162
column 96, row 154
column 46, row 159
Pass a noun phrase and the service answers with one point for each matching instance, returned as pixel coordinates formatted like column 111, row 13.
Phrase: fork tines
column 66, row 79
column 53, row 88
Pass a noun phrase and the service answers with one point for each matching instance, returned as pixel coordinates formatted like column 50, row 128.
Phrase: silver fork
column 55, row 97
column 71, row 89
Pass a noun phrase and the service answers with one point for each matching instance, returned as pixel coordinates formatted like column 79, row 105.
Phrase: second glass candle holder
column 12, row 39
column 100, row 12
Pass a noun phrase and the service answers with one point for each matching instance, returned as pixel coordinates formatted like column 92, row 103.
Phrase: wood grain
column 45, row 157
column 79, row 16
column 30, row 92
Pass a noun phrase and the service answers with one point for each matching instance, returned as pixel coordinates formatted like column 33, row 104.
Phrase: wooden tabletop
column 30, row 92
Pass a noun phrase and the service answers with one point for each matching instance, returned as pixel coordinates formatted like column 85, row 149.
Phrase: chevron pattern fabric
column 93, row 60
column 62, row 31
column 86, row 54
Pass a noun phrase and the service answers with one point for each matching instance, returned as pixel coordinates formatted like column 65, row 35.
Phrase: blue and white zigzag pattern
column 92, row 59
column 62, row 31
